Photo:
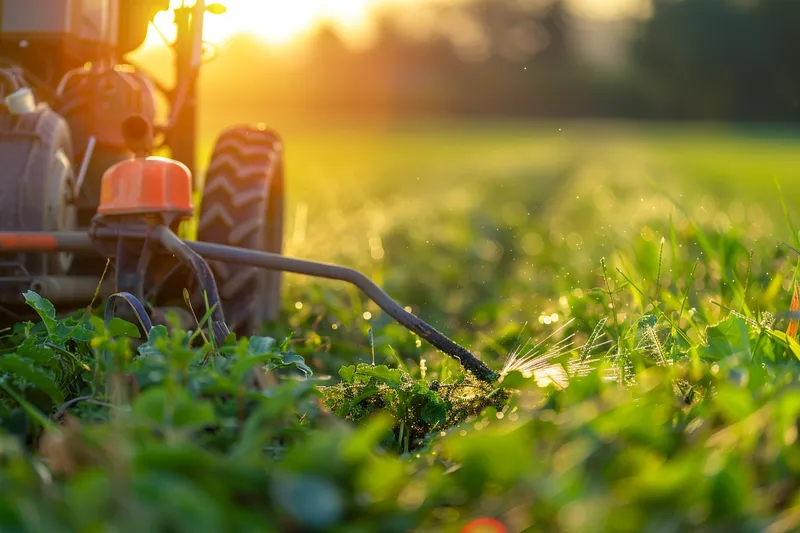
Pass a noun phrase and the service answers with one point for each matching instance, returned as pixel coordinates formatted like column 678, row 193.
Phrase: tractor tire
column 37, row 181
column 242, row 206
column 35, row 151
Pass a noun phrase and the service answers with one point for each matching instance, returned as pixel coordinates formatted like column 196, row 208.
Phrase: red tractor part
column 152, row 185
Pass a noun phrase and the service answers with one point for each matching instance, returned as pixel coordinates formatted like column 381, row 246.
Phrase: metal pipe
column 44, row 242
column 241, row 256
column 71, row 289
column 173, row 244
column 87, row 158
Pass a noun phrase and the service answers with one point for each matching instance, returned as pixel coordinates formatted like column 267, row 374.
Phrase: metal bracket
column 87, row 158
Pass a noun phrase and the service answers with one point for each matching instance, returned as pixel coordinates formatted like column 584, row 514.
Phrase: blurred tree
column 718, row 59
column 511, row 30
column 780, row 20
column 327, row 47
column 693, row 59
column 554, row 20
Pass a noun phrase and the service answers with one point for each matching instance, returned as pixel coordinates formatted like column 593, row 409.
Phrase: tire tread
column 243, row 181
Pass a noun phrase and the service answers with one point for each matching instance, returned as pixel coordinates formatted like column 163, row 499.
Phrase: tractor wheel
column 35, row 197
column 35, row 151
column 242, row 206
column 59, row 214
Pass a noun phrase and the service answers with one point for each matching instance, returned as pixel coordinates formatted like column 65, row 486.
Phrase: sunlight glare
column 609, row 9
column 281, row 22
column 275, row 21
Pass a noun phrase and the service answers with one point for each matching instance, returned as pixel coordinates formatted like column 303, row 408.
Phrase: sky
column 282, row 21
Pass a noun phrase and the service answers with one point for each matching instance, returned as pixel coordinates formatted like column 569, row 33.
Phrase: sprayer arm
column 39, row 242
column 271, row 261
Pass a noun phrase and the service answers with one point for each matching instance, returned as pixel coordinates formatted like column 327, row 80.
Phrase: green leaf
column 26, row 369
column 648, row 321
column 261, row 345
column 728, row 338
column 83, row 332
column 347, row 373
column 39, row 354
column 361, row 444
column 366, row 393
column 786, row 340
column 157, row 338
column 118, row 327
column 44, row 309
column 254, row 436
column 290, row 360
column 422, row 388
column 263, row 351
column 178, row 410
column 514, row 380
column 190, row 507
column 434, row 412
column 391, row 376
column 490, row 452
column 735, row 403
column 28, row 407
column 243, row 365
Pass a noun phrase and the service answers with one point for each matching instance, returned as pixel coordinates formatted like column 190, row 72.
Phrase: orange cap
column 146, row 185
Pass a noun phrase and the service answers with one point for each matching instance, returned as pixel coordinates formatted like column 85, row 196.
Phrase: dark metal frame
column 193, row 255
column 180, row 133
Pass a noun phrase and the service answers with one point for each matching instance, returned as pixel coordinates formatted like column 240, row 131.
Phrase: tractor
column 67, row 59
column 81, row 188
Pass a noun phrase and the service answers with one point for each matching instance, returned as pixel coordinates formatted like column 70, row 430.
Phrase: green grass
column 426, row 210
column 630, row 280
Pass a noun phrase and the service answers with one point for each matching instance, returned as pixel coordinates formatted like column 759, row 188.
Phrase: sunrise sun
column 275, row 21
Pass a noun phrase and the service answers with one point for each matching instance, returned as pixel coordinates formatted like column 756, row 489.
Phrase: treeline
column 722, row 59
column 693, row 59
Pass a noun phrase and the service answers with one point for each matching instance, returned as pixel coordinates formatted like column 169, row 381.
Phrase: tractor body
column 68, row 90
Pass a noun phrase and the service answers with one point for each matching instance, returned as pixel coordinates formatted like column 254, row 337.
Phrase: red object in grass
column 485, row 525
column 794, row 324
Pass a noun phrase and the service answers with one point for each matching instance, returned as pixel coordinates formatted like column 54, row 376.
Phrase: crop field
column 633, row 285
